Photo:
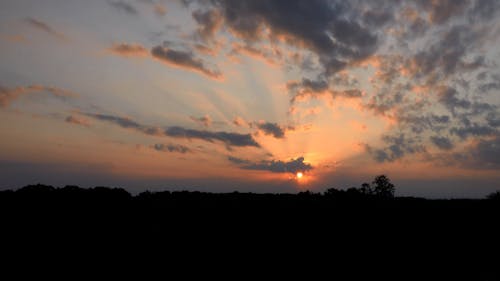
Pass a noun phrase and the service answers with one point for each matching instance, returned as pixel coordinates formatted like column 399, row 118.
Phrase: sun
column 299, row 175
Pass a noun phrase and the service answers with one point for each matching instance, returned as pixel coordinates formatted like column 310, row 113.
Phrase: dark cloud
column 487, row 153
column 396, row 147
column 123, row 6
column 185, row 60
column 441, row 11
column 40, row 25
column 315, row 88
column 448, row 55
column 443, row 143
column 323, row 27
column 474, row 129
column 273, row 129
column 77, row 120
column 126, row 123
column 484, row 10
column 493, row 119
column 230, row 139
column 449, row 97
column 238, row 161
column 293, row 166
column 442, row 119
column 488, row 87
column 171, row 148
column 378, row 17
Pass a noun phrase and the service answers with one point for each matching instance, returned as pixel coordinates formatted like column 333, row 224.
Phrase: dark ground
column 361, row 236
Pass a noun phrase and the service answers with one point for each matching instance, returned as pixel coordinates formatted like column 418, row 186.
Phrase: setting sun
column 299, row 175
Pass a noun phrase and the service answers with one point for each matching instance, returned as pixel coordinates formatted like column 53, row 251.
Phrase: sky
column 226, row 96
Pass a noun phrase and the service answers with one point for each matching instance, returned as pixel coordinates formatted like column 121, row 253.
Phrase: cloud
column 185, row 60
column 204, row 120
column 7, row 95
column 396, row 147
column 315, row 88
column 271, row 56
column 208, row 23
column 126, row 123
column 123, row 6
column 448, row 97
column 171, row 148
column 77, row 120
column 443, row 143
column 293, row 166
column 160, row 10
column 180, row 59
column 230, row 139
column 473, row 130
column 269, row 128
column 481, row 154
column 238, row 121
column 493, row 119
column 129, row 50
column 40, row 25
column 486, row 153
column 441, row 11
column 320, row 26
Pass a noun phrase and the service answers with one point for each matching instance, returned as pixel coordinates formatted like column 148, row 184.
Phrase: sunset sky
column 243, row 95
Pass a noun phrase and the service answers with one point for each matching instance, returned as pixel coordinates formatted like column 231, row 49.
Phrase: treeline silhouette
column 355, row 223
column 117, row 207
column 380, row 190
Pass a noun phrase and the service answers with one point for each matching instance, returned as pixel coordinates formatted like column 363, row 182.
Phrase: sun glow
column 299, row 175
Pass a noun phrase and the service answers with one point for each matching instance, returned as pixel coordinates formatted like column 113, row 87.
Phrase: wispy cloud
column 8, row 95
column 123, row 6
column 228, row 138
column 42, row 26
column 184, row 60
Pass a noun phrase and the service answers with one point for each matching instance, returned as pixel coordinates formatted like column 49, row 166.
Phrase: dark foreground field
column 401, row 237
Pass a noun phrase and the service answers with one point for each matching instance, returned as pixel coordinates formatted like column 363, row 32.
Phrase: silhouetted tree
column 332, row 192
column 353, row 192
column 383, row 187
column 494, row 196
column 366, row 189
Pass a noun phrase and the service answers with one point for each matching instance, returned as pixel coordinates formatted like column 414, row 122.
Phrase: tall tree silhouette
column 383, row 187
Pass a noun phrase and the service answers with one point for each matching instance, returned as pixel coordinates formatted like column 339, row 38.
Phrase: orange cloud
column 129, row 50
column 160, row 10
column 8, row 95
column 269, row 55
